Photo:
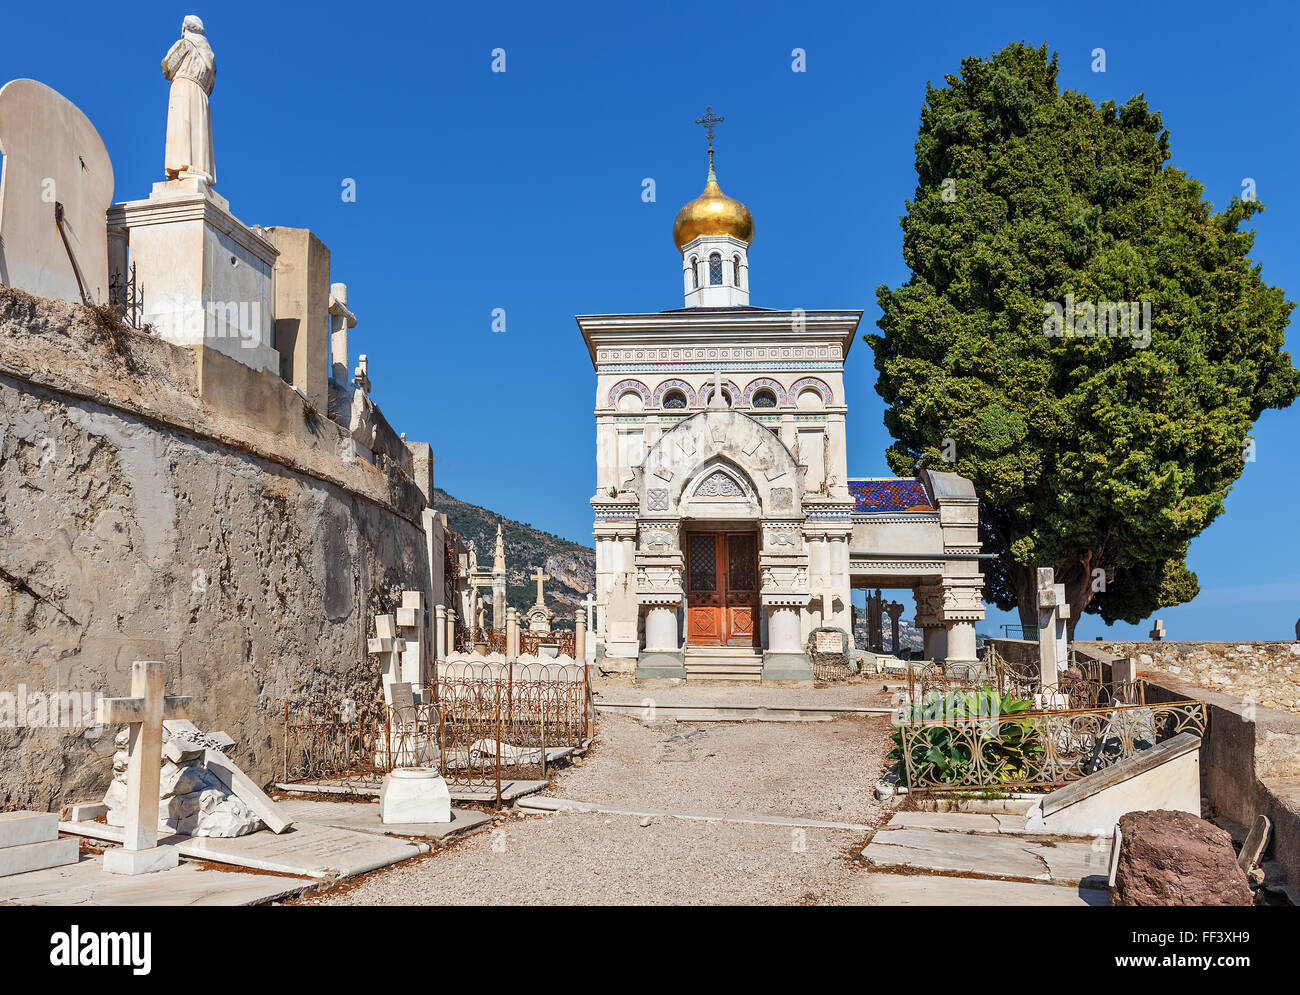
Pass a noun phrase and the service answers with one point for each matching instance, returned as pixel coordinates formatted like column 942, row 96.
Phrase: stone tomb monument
column 538, row 615
column 57, row 184
column 207, row 275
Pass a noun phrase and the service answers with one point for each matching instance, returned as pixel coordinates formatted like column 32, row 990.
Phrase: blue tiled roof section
column 898, row 494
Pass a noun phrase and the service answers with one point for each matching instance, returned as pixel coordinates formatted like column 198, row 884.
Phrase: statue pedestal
column 206, row 276
column 414, row 794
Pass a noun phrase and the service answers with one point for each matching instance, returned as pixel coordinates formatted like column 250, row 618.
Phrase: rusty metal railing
column 472, row 727
column 1032, row 749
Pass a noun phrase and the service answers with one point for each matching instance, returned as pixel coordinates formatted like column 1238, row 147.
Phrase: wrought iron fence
column 1082, row 686
column 563, row 640
column 1039, row 749
column 471, row 727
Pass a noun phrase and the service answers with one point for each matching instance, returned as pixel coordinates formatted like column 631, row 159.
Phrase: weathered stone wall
column 138, row 523
column 1265, row 672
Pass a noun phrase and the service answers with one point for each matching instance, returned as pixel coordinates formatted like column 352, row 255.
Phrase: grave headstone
column 56, row 187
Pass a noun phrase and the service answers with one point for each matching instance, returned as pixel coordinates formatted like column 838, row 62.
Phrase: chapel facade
column 728, row 531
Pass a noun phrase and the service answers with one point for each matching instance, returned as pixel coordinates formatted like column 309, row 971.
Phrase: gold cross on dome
column 709, row 120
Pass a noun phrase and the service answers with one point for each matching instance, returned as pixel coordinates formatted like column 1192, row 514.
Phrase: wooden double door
column 722, row 588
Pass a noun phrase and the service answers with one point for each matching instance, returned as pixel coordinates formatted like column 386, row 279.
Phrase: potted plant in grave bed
column 956, row 728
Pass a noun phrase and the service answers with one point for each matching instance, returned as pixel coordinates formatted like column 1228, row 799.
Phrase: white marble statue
column 191, row 68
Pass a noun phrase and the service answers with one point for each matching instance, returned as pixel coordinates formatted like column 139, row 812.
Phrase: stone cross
column 590, row 604
column 410, row 624
column 1158, row 631
column 717, row 400
column 385, row 645
column 144, row 712
column 1053, row 610
column 539, row 576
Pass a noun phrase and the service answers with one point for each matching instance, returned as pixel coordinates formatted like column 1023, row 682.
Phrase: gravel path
column 812, row 770
column 817, row 770
column 614, row 860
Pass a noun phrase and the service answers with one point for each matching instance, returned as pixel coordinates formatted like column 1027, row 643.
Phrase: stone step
column 725, row 668
column 20, row 828
column 38, row 856
column 994, row 823
column 1065, row 862
column 747, row 678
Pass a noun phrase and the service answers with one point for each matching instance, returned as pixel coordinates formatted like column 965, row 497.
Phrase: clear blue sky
column 478, row 190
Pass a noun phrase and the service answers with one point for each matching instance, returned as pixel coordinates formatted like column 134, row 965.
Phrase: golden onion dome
column 713, row 213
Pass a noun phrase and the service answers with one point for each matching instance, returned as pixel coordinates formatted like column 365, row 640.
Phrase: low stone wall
column 1267, row 673
column 140, row 521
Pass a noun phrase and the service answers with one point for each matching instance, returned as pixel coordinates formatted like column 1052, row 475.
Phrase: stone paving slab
column 543, row 804
column 87, row 883
column 308, row 850
column 1061, row 861
column 363, row 817
column 929, row 889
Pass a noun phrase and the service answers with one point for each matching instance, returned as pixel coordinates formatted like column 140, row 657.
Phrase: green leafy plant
column 967, row 725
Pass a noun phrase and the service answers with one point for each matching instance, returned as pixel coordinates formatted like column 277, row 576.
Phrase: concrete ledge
column 661, row 666
column 1167, row 776
column 786, row 667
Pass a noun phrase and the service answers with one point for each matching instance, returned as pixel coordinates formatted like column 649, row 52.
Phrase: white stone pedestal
column 206, row 276
column 120, row 860
column 414, row 794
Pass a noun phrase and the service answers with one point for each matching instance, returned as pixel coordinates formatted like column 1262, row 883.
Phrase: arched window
column 695, row 273
column 764, row 399
column 735, row 272
column 674, row 399
column 715, row 269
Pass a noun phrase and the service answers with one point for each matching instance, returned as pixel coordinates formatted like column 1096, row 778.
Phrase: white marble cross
column 144, row 711
column 539, row 576
column 590, row 604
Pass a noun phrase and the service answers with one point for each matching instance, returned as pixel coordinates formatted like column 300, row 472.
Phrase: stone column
column 661, row 629
column 512, row 633
column 894, row 609
column 580, row 635
column 961, row 642
column 451, row 630
column 960, row 609
column 930, row 622
column 440, row 632
column 783, row 630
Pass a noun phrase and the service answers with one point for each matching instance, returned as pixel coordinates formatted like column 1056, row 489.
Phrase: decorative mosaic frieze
column 894, row 494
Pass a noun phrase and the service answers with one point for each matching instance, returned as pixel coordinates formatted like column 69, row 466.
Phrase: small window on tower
column 695, row 273
column 735, row 272
column 715, row 269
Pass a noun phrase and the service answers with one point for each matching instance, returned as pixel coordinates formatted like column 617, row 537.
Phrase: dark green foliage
column 1090, row 455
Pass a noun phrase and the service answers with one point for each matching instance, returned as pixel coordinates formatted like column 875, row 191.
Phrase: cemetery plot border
column 1035, row 750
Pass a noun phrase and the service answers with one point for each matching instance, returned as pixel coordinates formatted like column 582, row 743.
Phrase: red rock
column 1174, row 858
